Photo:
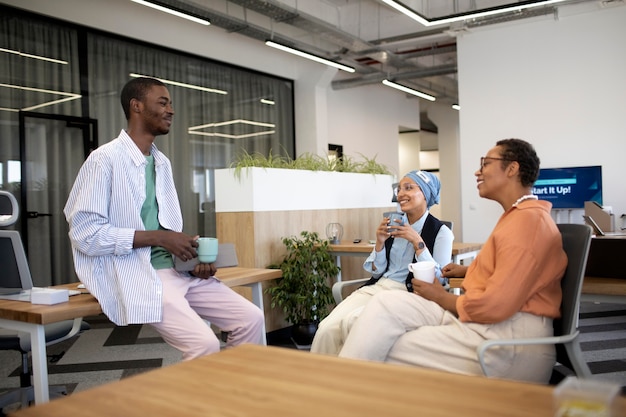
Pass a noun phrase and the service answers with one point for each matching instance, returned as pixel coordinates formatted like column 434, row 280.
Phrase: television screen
column 569, row 188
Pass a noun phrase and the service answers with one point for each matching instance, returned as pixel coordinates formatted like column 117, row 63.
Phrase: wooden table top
column 78, row 306
column 236, row 276
column 270, row 381
column 366, row 247
column 83, row 305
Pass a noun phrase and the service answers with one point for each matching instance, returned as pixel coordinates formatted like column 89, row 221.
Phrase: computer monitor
column 15, row 274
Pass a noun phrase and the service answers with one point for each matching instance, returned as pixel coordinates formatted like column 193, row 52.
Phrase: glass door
column 52, row 149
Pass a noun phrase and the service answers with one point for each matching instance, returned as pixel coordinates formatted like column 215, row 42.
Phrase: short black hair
column 136, row 88
column 524, row 154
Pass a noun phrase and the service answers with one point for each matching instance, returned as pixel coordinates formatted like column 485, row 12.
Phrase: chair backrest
column 9, row 211
column 576, row 242
column 448, row 223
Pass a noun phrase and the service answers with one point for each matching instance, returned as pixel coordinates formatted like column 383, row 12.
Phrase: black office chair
column 576, row 242
column 20, row 341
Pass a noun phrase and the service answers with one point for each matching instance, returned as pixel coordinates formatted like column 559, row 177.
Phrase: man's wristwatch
column 420, row 246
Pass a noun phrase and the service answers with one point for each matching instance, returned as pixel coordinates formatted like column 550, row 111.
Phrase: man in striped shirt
column 126, row 226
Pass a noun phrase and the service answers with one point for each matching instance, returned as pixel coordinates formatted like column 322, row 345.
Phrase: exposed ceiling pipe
column 379, row 77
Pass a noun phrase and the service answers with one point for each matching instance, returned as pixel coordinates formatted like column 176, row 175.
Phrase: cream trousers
column 333, row 330
column 405, row 328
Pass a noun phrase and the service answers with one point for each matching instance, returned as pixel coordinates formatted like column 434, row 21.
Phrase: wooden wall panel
column 258, row 239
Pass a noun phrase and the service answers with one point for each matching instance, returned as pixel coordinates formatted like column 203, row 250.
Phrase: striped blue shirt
column 104, row 211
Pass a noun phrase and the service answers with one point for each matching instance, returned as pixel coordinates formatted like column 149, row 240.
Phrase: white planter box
column 274, row 189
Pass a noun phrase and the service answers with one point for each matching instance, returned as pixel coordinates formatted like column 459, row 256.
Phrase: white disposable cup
column 207, row 249
column 424, row 271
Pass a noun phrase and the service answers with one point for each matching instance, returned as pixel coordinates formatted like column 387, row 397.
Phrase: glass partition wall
column 59, row 98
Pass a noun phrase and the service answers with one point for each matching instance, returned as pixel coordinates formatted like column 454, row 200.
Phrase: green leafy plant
column 308, row 161
column 303, row 292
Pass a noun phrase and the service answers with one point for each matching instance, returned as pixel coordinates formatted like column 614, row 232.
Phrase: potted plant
column 303, row 292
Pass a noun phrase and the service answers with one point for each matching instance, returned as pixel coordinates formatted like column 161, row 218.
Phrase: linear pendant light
column 309, row 56
column 409, row 90
column 173, row 12
column 488, row 12
column 41, row 58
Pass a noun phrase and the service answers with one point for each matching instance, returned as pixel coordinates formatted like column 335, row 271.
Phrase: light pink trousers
column 404, row 328
column 188, row 301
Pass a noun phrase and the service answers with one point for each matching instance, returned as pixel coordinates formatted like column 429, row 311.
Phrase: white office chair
column 20, row 341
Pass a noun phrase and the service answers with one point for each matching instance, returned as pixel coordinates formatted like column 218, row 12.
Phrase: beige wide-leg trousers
column 405, row 328
column 332, row 331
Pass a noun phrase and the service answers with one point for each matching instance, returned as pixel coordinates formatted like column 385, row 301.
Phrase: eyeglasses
column 407, row 188
column 484, row 158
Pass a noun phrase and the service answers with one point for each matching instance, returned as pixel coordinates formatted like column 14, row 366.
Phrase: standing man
column 420, row 237
column 125, row 227
column 512, row 289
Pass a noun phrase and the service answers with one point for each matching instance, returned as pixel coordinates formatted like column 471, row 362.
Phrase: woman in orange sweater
column 511, row 290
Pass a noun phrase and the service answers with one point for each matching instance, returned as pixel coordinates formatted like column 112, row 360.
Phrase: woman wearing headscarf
column 512, row 289
column 418, row 236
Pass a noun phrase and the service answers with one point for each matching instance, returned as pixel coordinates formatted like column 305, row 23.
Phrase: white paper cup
column 424, row 271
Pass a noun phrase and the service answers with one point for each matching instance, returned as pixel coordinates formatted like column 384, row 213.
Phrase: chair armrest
column 339, row 286
column 487, row 344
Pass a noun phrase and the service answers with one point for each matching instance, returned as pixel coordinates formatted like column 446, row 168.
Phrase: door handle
column 35, row 214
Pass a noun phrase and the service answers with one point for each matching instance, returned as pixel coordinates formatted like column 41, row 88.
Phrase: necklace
column 525, row 197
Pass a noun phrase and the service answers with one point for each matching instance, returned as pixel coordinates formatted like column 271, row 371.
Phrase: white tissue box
column 48, row 296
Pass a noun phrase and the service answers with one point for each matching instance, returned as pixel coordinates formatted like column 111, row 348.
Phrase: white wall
column 409, row 147
column 364, row 120
column 557, row 83
column 447, row 121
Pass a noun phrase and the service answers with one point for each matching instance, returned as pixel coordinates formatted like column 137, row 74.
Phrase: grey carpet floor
column 107, row 353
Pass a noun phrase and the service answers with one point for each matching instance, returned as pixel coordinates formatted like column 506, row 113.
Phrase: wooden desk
column 460, row 251
column 31, row 318
column 265, row 381
column 605, row 276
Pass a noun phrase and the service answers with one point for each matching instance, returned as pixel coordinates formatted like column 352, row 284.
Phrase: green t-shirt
column 160, row 257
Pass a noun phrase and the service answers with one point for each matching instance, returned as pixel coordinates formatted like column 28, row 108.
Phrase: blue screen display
column 569, row 188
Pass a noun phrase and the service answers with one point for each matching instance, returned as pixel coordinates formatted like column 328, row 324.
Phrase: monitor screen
column 569, row 188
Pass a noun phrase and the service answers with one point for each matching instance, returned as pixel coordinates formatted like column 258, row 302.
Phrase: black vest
column 429, row 234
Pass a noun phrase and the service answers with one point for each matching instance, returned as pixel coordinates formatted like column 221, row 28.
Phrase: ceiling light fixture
column 456, row 107
column 68, row 97
column 309, row 56
column 226, row 135
column 173, row 12
column 266, row 101
column 179, row 84
column 39, row 57
column 195, row 130
column 409, row 90
column 464, row 16
column 231, row 122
